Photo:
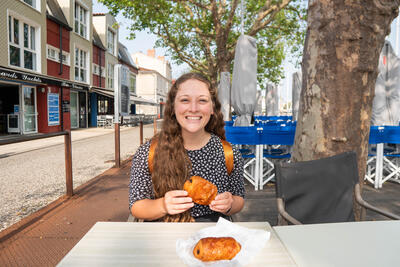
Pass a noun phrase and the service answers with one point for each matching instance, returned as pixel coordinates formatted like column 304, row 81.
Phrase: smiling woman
column 189, row 144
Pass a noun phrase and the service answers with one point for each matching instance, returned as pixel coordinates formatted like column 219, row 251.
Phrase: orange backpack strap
column 152, row 149
column 228, row 151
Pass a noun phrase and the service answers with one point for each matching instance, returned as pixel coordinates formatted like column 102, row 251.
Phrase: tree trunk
column 340, row 60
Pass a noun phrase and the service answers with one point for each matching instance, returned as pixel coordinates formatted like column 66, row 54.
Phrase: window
column 22, row 44
column 95, row 69
column 132, row 86
column 110, row 75
column 103, row 72
column 110, row 41
column 33, row 3
column 80, row 17
column 54, row 54
column 80, row 65
column 104, row 105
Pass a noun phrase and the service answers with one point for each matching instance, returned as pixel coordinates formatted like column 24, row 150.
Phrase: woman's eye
column 184, row 100
column 204, row 100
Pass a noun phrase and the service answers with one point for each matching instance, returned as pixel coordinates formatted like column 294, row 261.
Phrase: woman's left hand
column 222, row 202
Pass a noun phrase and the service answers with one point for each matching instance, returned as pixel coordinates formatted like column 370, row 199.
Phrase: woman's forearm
column 149, row 209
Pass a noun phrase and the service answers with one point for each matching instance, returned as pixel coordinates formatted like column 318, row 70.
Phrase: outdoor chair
column 248, row 139
column 320, row 191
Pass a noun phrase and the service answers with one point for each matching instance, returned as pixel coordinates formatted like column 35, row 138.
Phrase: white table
column 153, row 244
column 372, row 243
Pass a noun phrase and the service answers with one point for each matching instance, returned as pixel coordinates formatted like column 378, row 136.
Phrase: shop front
column 32, row 103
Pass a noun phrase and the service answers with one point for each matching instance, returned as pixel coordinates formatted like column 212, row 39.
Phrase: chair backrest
column 318, row 191
column 277, row 135
column 242, row 135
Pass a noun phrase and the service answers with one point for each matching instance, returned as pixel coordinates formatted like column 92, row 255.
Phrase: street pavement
column 33, row 172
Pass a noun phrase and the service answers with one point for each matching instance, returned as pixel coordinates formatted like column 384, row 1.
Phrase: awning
column 140, row 100
column 103, row 92
column 134, row 99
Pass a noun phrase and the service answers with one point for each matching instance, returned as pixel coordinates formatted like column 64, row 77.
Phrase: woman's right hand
column 177, row 201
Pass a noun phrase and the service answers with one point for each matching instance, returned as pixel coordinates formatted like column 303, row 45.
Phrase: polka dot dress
column 207, row 162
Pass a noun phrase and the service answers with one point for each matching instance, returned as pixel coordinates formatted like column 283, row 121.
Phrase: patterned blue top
column 207, row 162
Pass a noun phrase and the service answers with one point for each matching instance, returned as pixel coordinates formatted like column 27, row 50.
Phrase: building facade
column 57, row 66
column 153, row 81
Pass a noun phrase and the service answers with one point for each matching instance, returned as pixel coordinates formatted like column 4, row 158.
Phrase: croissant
column 216, row 248
column 200, row 190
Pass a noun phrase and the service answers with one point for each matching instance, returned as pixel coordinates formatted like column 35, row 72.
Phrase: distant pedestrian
column 191, row 142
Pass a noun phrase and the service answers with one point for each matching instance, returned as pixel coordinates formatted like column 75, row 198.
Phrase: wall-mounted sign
column 53, row 109
column 121, row 91
column 16, row 109
column 6, row 73
column 65, row 106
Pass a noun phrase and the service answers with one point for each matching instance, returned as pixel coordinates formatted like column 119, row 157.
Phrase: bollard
column 68, row 163
column 141, row 132
column 155, row 126
column 117, row 145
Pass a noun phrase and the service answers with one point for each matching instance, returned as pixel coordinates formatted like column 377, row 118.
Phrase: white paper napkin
column 251, row 240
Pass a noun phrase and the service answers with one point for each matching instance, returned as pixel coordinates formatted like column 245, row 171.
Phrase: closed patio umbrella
column 296, row 90
column 272, row 100
column 386, row 104
column 244, row 80
column 224, row 94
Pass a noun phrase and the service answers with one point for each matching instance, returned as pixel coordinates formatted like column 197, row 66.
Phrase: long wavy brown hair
column 172, row 165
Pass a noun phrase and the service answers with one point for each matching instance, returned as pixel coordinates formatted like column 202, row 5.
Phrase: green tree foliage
column 203, row 33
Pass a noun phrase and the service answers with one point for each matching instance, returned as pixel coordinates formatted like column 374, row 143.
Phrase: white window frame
column 110, row 75
column 56, row 57
column 36, row 4
column 96, row 69
column 103, row 72
column 81, row 20
column 81, row 64
column 112, row 43
column 35, row 41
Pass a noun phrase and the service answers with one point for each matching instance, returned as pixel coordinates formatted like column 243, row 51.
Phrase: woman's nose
column 193, row 106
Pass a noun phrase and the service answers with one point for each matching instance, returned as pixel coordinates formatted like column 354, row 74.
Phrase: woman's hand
column 177, row 201
column 222, row 203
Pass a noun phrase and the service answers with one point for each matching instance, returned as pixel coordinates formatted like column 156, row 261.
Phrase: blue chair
column 228, row 123
column 390, row 166
column 373, row 172
column 277, row 140
column 245, row 137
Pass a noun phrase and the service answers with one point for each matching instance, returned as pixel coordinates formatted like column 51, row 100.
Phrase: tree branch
column 194, row 2
column 191, row 61
column 259, row 24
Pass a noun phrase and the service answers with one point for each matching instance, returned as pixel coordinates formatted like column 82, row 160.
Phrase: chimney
column 160, row 58
column 151, row 52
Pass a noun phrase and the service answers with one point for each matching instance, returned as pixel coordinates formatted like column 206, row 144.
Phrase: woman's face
column 193, row 106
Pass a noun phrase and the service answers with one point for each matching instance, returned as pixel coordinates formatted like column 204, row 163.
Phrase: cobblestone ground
column 33, row 179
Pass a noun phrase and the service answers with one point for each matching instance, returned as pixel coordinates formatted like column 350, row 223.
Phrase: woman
column 188, row 144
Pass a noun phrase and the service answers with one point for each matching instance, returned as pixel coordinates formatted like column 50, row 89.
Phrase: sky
column 145, row 41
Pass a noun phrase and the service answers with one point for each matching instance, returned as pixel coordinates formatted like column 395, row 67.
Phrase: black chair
column 320, row 191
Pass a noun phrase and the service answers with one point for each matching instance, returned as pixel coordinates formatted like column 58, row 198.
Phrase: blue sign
column 53, row 109
column 16, row 109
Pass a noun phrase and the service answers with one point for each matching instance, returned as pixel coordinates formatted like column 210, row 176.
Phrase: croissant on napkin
column 216, row 248
column 200, row 190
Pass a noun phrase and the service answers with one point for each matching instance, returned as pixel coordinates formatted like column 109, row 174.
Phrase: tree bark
column 340, row 60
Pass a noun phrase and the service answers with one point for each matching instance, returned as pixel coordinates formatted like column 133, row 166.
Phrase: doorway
column 29, row 113
column 9, row 101
column 74, row 110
